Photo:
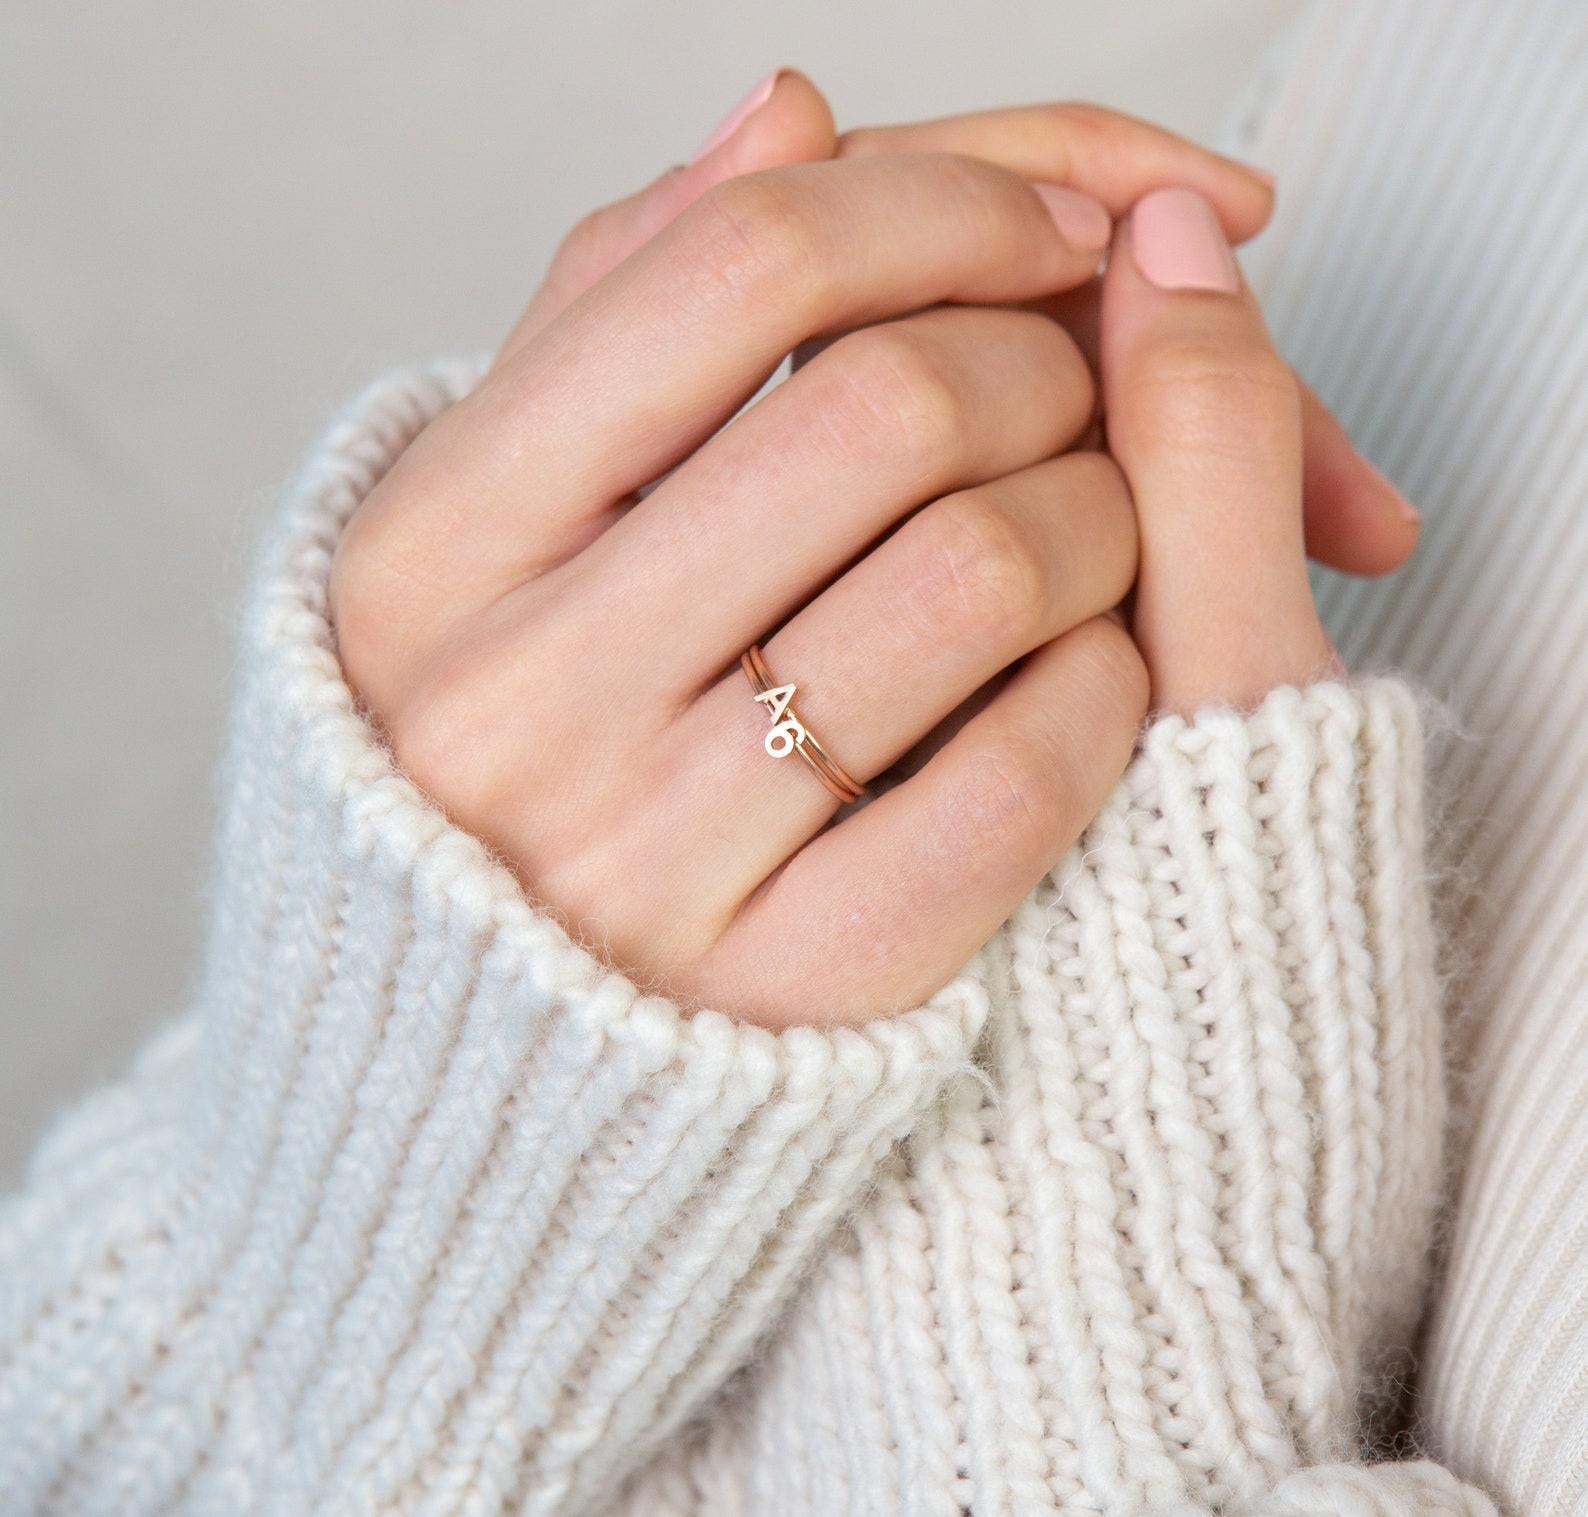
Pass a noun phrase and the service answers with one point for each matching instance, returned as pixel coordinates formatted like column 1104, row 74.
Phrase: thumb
column 784, row 119
column 1205, row 419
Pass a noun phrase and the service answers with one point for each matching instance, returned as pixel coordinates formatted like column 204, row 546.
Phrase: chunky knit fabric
column 1151, row 1260
column 423, row 1211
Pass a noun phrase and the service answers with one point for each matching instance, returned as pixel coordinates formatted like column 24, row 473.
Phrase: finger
column 1205, row 419
column 886, row 907
column 1354, row 519
column 1108, row 155
column 778, row 503
column 966, row 587
column 647, row 364
column 785, row 119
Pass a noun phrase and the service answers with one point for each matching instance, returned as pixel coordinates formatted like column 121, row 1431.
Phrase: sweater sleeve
column 420, row 1209
column 1163, row 1253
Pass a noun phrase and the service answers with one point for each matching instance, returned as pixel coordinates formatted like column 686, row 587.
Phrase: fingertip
column 1398, row 522
column 793, row 123
column 1121, row 159
column 783, row 119
column 1357, row 520
column 1082, row 220
column 788, row 121
column 805, row 116
column 1246, row 204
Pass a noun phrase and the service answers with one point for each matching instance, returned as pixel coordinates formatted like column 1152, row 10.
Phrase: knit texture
column 422, row 1210
column 425, row 1211
column 1427, row 269
column 1157, row 1257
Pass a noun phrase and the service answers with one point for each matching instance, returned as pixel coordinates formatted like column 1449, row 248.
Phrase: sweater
column 421, row 1209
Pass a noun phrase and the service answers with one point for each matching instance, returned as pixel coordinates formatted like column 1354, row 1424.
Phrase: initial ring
column 789, row 734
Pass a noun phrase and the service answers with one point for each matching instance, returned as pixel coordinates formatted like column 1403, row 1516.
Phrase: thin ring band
column 842, row 785
column 839, row 782
column 826, row 768
column 832, row 774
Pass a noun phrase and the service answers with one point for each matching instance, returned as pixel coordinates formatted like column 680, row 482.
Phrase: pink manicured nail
column 738, row 115
column 1179, row 244
column 1084, row 223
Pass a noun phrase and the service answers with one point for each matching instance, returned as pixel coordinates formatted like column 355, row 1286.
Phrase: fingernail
column 1179, row 244
column 1083, row 222
column 736, row 118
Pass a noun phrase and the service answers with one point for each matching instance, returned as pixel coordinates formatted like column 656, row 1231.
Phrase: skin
column 909, row 525
column 1355, row 519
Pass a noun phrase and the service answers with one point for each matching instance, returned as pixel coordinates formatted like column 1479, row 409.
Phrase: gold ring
column 789, row 734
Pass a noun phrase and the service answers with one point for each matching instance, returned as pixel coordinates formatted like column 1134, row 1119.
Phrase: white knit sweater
column 423, row 1211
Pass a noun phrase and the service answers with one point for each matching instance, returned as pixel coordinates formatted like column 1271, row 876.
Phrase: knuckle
column 1056, row 126
column 1191, row 387
column 967, row 177
column 981, row 575
column 1014, row 791
column 1064, row 758
column 1068, row 120
column 754, row 236
column 897, row 389
column 1044, row 778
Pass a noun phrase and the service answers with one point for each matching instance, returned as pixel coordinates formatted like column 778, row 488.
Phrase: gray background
column 215, row 222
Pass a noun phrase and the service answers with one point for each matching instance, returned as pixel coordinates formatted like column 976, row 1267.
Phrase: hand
column 1354, row 519
column 498, row 607
column 562, row 674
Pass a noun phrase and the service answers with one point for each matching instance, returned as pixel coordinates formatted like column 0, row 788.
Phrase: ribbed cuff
column 1253, row 981
column 1147, row 1263
column 453, row 1204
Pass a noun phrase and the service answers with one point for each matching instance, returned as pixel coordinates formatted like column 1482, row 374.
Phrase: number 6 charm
column 790, row 735
column 786, row 734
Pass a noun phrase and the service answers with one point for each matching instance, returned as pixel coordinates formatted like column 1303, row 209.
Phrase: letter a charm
column 785, row 734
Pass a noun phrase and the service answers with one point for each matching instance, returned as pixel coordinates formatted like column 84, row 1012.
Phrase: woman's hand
column 1354, row 519
column 560, row 672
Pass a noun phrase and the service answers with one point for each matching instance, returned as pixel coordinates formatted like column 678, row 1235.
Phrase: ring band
column 789, row 734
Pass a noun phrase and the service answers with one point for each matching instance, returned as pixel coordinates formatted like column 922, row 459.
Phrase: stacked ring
column 789, row 734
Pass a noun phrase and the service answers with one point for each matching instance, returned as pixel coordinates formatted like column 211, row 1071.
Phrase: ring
column 789, row 734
